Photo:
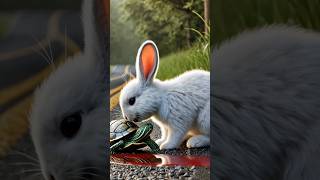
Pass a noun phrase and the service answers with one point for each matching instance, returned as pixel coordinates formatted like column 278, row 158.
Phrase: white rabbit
column 180, row 106
column 68, row 117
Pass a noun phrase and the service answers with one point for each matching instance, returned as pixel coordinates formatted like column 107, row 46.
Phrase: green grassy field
column 231, row 17
column 4, row 22
column 177, row 63
column 196, row 57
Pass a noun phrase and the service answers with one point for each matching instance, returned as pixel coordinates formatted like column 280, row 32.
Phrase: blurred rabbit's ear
column 147, row 62
column 95, row 17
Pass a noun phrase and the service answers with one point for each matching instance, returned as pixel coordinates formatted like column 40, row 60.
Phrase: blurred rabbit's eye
column 70, row 125
column 132, row 101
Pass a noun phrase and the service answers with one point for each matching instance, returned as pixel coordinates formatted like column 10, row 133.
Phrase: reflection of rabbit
column 68, row 118
column 180, row 106
column 267, row 106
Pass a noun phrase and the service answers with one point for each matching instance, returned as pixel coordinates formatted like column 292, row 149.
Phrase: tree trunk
column 206, row 14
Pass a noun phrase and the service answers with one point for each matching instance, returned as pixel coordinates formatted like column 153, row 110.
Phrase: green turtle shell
column 137, row 140
column 121, row 128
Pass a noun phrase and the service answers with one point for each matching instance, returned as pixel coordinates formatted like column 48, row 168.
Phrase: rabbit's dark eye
column 132, row 101
column 70, row 125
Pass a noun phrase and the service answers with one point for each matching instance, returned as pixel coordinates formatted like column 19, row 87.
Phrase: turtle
column 126, row 135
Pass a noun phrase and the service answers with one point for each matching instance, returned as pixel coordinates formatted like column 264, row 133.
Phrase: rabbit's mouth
column 137, row 118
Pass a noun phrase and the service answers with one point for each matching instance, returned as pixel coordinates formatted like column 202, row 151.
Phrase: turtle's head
column 145, row 129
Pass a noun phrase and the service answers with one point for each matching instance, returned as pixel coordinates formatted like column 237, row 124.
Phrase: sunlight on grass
column 178, row 63
column 197, row 57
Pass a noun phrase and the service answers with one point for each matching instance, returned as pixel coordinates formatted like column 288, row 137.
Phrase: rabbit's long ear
column 147, row 62
column 95, row 17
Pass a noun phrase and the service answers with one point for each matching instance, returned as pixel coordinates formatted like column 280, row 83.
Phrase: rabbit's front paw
column 168, row 145
column 198, row 141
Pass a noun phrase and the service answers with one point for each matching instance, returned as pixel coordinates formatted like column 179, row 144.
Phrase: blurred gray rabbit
column 70, row 112
column 266, row 105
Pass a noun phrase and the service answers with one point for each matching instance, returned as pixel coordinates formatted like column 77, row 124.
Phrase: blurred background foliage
column 231, row 17
column 165, row 21
column 5, row 19
column 8, row 8
column 177, row 27
column 124, row 39
column 10, row 5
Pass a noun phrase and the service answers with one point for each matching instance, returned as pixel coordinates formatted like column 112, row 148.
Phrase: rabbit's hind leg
column 203, row 120
column 198, row 141
column 203, row 127
column 175, row 137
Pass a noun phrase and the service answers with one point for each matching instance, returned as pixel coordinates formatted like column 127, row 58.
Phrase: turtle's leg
column 116, row 147
column 153, row 146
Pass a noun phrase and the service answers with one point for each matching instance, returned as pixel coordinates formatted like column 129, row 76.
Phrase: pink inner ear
column 147, row 59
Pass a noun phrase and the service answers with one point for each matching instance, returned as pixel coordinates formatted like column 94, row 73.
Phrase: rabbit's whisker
column 25, row 163
column 43, row 52
column 26, row 156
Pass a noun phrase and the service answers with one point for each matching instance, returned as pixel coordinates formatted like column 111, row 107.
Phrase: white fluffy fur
column 78, row 85
column 180, row 106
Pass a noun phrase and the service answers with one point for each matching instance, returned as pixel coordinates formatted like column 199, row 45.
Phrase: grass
column 4, row 23
column 231, row 17
column 197, row 57
column 177, row 63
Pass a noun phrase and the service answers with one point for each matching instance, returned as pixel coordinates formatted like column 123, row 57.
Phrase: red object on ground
column 147, row 159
